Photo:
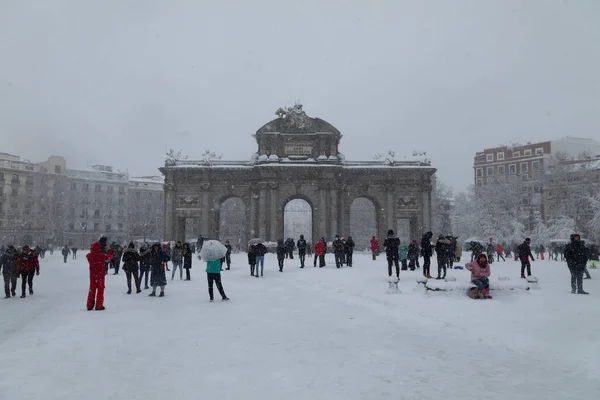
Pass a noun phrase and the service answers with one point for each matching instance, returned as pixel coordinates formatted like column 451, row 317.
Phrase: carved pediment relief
column 188, row 201
column 409, row 202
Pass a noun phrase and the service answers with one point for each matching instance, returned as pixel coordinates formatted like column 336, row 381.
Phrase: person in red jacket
column 320, row 250
column 97, row 261
column 27, row 266
column 374, row 248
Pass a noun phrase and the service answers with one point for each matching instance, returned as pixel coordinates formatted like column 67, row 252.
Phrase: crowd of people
column 149, row 263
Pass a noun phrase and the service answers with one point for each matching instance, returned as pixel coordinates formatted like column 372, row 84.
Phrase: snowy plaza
column 302, row 334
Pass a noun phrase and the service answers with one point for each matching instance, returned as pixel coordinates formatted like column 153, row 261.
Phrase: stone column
column 334, row 215
column 390, row 208
column 262, row 211
column 274, row 231
column 253, row 210
column 205, row 231
column 426, row 207
column 323, row 212
column 180, row 228
column 344, row 225
column 169, row 211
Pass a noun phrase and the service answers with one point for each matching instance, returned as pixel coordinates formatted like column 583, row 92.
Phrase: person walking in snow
column 338, row 251
column 65, row 253
column 8, row 265
column 391, row 245
column 457, row 250
column 374, row 247
column 442, row 249
column 480, row 272
column 282, row 252
column 131, row 259
column 260, row 251
column 320, row 250
column 144, row 265
column 349, row 250
column 252, row 258
column 524, row 251
column 157, row 260
column 213, row 275
column 289, row 244
column 228, row 255
column 97, row 261
column 403, row 256
column 301, row 245
column 27, row 266
column 74, row 251
column 542, row 251
column 413, row 255
column 500, row 252
column 118, row 253
column 177, row 258
column 187, row 260
column 427, row 252
column 576, row 255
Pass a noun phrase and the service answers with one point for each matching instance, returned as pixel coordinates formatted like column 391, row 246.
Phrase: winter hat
column 528, row 240
column 103, row 240
column 390, row 232
column 131, row 245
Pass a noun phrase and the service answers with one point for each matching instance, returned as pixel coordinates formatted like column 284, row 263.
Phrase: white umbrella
column 212, row 250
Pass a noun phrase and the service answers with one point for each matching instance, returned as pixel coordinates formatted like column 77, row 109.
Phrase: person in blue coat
column 403, row 256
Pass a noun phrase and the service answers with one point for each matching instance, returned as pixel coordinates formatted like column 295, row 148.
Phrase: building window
column 121, row 189
column 14, row 190
column 539, row 151
column 29, row 180
column 527, row 152
column 98, row 189
column 73, row 186
column 489, row 157
column 516, row 153
column 71, row 226
column 524, row 167
column 524, row 177
column 120, row 225
column 108, row 228
column 57, row 169
column 479, row 182
column 489, row 171
column 15, row 179
column 121, row 202
column 97, row 213
column 501, row 170
column 110, row 189
column 86, row 187
column 512, row 169
column 500, row 156
column 137, row 195
column 535, row 166
column 479, row 172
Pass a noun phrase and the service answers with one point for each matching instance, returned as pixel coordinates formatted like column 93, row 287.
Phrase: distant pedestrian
column 177, row 258
column 73, row 250
column 282, row 253
column 260, row 250
column 27, row 266
column 349, row 250
column 97, row 261
column 338, row 251
column 302, row 245
column 576, row 255
column 524, row 251
column 131, row 260
column 8, row 265
column 187, row 260
column 157, row 260
column 374, row 247
column 65, row 253
column 144, row 265
column 427, row 252
column 252, row 258
column 228, row 255
column 391, row 245
column 320, row 250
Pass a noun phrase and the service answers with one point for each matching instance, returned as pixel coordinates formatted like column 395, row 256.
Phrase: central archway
column 363, row 222
column 232, row 222
column 297, row 220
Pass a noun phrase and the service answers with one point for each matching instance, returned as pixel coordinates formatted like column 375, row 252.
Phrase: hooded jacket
column 97, row 260
column 426, row 249
column 130, row 259
column 576, row 253
column 320, row 248
column 177, row 253
column 480, row 268
column 8, row 261
column 281, row 249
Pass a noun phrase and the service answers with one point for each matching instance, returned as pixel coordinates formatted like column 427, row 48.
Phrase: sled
column 533, row 282
column 450, row 279
column 443, row 286
column 458, row 267
column 475, row 293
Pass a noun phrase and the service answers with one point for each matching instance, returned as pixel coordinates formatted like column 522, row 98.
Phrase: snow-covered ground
column 301, row 334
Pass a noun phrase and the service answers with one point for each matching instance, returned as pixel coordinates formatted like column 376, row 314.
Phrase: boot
column 101, row 309
column 573, row 291
column 486, row 293
column 139, row 291
column 14, row 293
column 581, row 291
column 153, row 294
column 162, row 294
column 30, row 291
column 7, row 296
column 129, row 291
column 23, row 296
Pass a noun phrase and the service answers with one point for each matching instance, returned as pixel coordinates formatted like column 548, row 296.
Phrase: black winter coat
column 576, row 254
column 251, row 258
column 260, row 250
column 391, row 244
column 349, row 246
column 524, row 251
column 187, row 258
column 426, row 248
column 144, row 262
column 281, row 250
column 8, row 262
column 157, row 271
column 130, row 260
column 301, row 245
column 413, row 251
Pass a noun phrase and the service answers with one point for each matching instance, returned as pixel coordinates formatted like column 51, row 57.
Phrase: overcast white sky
column 117, row 82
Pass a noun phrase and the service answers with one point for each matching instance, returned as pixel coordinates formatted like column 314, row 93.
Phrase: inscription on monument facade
column 298, row 149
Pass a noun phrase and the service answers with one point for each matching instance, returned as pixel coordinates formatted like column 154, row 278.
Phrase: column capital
column 273, row 185
column 205, row 185
column 263, row 185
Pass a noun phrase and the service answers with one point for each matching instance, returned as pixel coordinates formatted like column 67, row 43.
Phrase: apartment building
column 31, row 199
column 145, row 207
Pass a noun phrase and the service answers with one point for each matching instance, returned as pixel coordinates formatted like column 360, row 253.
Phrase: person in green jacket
column 213, row 275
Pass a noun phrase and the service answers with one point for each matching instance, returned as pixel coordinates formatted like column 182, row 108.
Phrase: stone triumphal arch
column 297, row 158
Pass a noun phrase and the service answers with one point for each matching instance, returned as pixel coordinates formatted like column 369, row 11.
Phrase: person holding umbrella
column 212, row 252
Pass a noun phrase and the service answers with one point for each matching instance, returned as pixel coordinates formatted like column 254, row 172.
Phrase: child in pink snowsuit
column 480, row 271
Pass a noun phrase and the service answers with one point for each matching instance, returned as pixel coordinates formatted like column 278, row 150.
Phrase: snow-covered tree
column 441, row 200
